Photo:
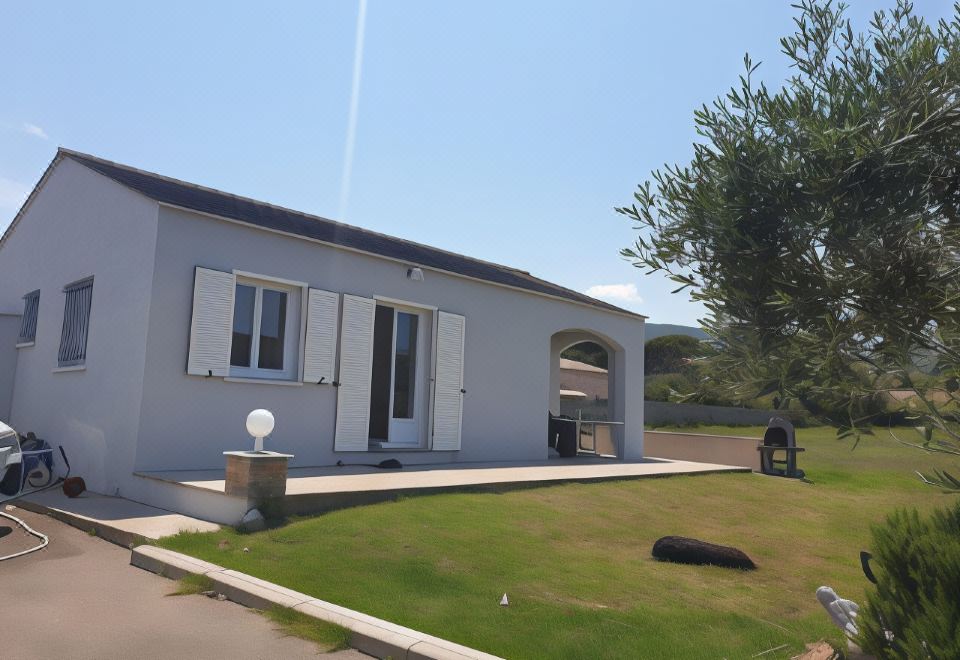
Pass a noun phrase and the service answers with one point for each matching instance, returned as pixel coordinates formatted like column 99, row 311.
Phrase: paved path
column 79, row 598
column 128, row 520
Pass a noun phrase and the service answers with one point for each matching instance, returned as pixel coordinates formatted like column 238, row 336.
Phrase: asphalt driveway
column 80, row 598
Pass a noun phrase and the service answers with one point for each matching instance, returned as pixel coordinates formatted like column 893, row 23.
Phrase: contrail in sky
column 354, row 102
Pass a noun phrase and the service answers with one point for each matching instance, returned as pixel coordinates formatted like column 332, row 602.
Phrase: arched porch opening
column 585, row 381
column 593, row 396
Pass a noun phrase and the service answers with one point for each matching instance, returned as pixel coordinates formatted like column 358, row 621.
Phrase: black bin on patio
column 563, row 436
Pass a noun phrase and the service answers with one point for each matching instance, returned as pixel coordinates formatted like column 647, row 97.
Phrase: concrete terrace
column 320, row 489
column 115, row 519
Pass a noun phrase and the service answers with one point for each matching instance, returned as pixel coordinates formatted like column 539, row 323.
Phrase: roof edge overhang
column 411, row 264
column 33, row 194
column 63, row 152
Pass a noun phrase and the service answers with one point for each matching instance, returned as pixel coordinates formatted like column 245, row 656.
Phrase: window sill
column 76, row 367
column 263, row 381
column 26, row 344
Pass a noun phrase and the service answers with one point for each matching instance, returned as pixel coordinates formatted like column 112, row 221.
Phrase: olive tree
column 818, row 223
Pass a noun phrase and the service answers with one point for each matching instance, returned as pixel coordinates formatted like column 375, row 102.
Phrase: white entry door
column 398, row 383
column 406, row 407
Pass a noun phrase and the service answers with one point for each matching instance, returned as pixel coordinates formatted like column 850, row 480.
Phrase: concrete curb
column 371, row 635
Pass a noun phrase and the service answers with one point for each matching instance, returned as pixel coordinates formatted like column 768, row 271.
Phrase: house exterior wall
column 667, row 413
column 81, row 224
column 9, row 330
column 187, row 422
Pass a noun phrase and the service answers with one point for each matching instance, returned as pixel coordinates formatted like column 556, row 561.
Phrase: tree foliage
column 918, row 580
column 819, row 222
column 587, row 352
column 669, row 354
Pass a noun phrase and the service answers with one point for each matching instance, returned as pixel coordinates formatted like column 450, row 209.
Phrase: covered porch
column 592, row 423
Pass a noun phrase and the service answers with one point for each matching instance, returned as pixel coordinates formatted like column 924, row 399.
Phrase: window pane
column 405, row 366
column 273, row 321
column 76, row 320
column 243, row 304
column 28, row 323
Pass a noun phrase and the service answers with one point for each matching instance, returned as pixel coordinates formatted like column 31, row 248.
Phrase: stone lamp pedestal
column 258, row 476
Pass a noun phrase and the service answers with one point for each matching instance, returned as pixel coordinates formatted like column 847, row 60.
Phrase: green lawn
column 575, row 559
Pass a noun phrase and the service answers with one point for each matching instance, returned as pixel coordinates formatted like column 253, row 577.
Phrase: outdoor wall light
column 415, row 274
column 259, row 425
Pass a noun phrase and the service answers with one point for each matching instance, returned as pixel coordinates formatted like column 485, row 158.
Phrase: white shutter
column 211, row 329
column 356, row 367
column 320, row 343
column 448, row 395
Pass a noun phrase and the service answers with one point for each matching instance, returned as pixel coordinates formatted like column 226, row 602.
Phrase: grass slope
column 575, row 558
column 327, row 636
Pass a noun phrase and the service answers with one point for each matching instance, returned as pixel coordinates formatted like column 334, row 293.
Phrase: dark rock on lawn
column 692, row 551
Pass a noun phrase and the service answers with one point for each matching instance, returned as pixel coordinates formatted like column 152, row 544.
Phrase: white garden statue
column 842, row 611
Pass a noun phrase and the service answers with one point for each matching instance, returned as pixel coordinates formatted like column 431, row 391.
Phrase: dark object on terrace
column 562, row 432
column 388, row 464
column 780, row 436
column 683, row 550
column 74, row 487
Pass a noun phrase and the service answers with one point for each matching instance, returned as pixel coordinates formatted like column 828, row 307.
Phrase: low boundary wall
column 659, row 413
column 720, row 449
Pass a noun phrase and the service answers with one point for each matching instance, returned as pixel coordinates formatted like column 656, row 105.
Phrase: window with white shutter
column 76, row 323
column 320, row 341
column 28, row 322
column 211, row 326
column 356, row 364
column 265, row 342
column 448, row 382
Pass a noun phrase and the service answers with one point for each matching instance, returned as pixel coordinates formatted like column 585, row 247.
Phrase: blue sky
column 506, row 131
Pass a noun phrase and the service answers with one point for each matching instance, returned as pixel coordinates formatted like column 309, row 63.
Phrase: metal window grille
column 28, row 323
column 76, row 321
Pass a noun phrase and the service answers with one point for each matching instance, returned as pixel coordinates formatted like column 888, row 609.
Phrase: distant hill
column 655, row 330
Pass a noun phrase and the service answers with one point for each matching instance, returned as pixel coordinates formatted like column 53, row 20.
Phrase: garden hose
column 43, row 537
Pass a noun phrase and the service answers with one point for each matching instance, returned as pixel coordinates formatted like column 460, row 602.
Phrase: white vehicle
column 10, row 462
column 26, row 466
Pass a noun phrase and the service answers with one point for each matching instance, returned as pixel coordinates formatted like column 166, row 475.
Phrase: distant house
column 142, row 318
column 582, row 381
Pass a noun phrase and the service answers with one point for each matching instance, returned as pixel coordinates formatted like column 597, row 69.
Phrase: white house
column 142, row 318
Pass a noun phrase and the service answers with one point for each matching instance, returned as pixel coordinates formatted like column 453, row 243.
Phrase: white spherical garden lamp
column 259, row 425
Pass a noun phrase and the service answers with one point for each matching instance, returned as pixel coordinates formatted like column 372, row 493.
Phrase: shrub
column 670, row 353
column 918, row 591
column 664, row 387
